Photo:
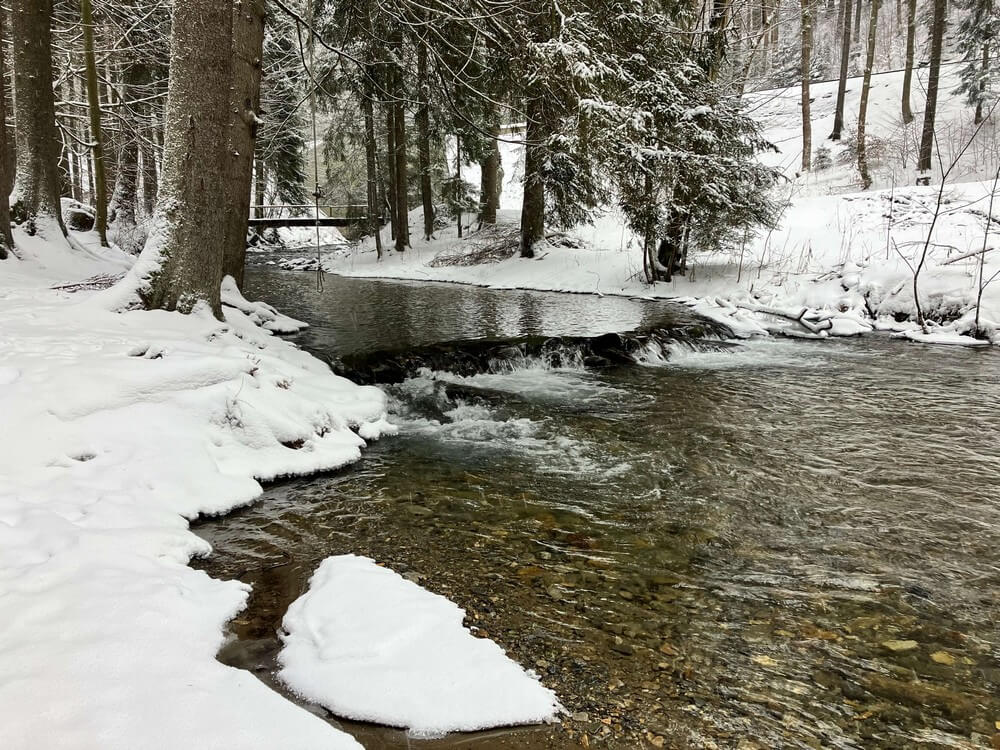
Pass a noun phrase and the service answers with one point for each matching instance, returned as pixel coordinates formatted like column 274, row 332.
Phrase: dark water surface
column 793, row 544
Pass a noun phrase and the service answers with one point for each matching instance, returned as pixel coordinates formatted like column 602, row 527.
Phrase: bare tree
column 806, row 35
column 845, row 56
column 866, row 86
column 94, row 106
column 911, row 31
column 933, row 76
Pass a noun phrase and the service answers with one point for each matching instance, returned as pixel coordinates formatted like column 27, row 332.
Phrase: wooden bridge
column 330, row 216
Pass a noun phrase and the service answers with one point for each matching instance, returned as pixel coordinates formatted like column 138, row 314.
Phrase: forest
column 499, row 373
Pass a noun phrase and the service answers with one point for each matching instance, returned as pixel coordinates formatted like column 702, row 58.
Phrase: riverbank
column 118, row 429
column 835, row 266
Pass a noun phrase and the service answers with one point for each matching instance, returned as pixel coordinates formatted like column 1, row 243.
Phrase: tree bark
column 6, row 236
column 845, row 56
column 866, row 179
column 94, row 107
column 390, row 168
column 533, row 202
column 399, row 157
column 489, row 186
column 371, row 168
column 424, row 141
column 244, row 104
column 185, row 244
column 459, row 188
column 857, row 19
column 125, row 198
column 911, row 32
column 806, row 55
column 933, row 76
column 35, row 197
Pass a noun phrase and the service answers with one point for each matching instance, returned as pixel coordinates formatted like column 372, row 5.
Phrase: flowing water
column 785, row 544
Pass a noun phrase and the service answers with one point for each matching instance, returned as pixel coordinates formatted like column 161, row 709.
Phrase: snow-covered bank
column 117, row 429
column 845, row 261
column 373, row 646
column 839, row 262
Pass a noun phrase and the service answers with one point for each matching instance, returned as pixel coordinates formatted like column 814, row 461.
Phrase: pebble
column 900, row 645
column 581, row 716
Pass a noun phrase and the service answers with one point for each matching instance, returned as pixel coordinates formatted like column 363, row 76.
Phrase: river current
column 783, row 544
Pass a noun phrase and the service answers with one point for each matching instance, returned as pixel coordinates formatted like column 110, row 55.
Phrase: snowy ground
column 841, row 255
column 117, row 429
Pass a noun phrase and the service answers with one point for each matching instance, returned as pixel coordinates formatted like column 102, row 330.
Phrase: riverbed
column 779, row 544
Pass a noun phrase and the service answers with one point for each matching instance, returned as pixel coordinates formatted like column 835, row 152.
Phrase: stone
column 900, row 646
column 943, row 657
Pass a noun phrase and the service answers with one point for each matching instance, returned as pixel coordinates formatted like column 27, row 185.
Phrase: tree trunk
column 533, row 202
column 399, row 143
column 866, row 179
column 857, row 20
column 775, row 23
column 6, row 237
column 933, row 76
column 982, row 84
column 94, row 107
column 806, row 55
column 459, row 190
column 489, row 185
column 716, row 37
column 845, row 57
column 184, row 248
column 35, row 197
column 371, row 168
column 424, row 141
column 149, row 179
column 911, row 32
column 244, row 104
column 125, row 198
column 390, row 169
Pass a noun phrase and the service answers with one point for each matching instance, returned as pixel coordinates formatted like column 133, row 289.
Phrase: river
column 781, row 544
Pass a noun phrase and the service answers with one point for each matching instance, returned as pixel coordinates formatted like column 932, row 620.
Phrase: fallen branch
column 812, row 327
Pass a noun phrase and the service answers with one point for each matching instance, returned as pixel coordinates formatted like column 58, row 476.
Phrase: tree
column 244, row 108
column 35, row 198
column 911, row 31
column 866, row 86
column 845, row 55
column 806, row 53
column 933, row 78
column 977, row 36
column 94, row 106
column 181, row 265
column 6, row 237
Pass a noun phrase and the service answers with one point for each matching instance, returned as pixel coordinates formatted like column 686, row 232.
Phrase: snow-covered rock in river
column 370, row 645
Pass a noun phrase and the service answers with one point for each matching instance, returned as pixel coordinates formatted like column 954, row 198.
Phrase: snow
column 370, row 645
column 118, row 428
column 843, row 255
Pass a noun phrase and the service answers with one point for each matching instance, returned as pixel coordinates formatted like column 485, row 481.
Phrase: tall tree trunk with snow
column 400, row 179
column 489, row 185
column 390, row 166
column 6, row 237
column 184, row 249
column 125, row 196
column 244, row 104
column 150, row 182
column 806, row 55
column 423, row 122
column 371, row 169
column 933, row 77
column 845, row 57
column 533, row 201
column 94, row 107
column 35, row 196
column 866, row 86
column 911, row 33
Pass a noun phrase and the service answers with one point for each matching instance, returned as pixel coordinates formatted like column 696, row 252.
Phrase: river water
column 786, row 544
